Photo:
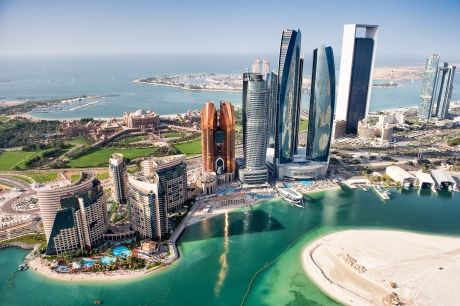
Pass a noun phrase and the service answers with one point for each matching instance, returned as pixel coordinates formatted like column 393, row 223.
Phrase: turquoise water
column 108, row 260
column 87, row 262
column 236, row 258
column 62, row 77
column 121, row 251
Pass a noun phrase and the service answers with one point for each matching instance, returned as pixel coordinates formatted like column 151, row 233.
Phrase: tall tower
column 208, row 128
column 118, row 177
column 356, row 68
column 428, row 87
column 255, row 128
column 288, row 104
column 322, row 105
column 444, row 91
column 218, row 140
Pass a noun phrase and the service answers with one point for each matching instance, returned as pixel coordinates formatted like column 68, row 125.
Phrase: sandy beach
column 368, row 267
column 40, row 266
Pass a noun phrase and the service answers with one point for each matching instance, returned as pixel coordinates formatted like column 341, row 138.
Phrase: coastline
column 139, row 81
column 367, row 266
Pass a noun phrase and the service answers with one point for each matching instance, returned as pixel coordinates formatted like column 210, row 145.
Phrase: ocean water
column 240, row 259
column 41, row 78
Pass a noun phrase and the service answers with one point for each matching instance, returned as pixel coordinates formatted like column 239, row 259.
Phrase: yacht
column 23, row 267
column 292, row 196
column 382, row 192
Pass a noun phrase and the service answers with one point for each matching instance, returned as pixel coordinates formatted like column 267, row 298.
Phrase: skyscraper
column 444, row 90
column 272, row 87
column 148, row 212
column 255, row 128
column 118, row 177
column 428, row 87
column 75, row 216
column 288, row 103
column 172, row 174
column 218, row 140
column 322, row 105
column 356, row 67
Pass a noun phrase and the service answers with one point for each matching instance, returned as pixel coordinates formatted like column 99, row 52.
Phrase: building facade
column 74, row 217
column 322, row 105
column 356, row 68
column 148, row 212
column 141, row 119
column 255, row 129
column 428, row 87
column 218, row 140
column 444, row 90
column 289, row 92
column 118, row 177
column 172, row 175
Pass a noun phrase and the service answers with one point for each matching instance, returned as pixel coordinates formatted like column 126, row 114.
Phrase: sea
column 60, row 77
column 244, row 258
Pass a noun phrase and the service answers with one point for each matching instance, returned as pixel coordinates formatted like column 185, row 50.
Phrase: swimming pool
column 87, row 262
column 108, row 260
column 121, row 251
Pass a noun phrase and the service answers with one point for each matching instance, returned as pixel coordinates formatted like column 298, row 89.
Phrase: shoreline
column 368, row 266
column 139, row 81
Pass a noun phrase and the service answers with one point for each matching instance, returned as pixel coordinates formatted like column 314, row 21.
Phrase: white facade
column 400, row 175
column 346, row 66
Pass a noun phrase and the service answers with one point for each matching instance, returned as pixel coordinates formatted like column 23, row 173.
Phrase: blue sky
column 221, row 27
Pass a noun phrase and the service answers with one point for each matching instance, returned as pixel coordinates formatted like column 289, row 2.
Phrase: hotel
column 118, row 177
column 355, row 81
column 74, row 217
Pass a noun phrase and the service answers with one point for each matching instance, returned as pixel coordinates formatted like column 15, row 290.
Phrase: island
column 380, row 267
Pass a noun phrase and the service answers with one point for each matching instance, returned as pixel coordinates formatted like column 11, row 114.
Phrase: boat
column 97, row 302
column 382, row 192
column 292, row 196
column 23, row 267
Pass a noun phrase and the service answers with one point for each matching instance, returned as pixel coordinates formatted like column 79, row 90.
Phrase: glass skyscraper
column 255, row 128
column 444, row 90
column 428, row 87
column 288, row 104
column 356, row 67
column 322, row 105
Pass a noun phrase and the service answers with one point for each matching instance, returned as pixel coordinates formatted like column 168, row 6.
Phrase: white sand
column 425, row 268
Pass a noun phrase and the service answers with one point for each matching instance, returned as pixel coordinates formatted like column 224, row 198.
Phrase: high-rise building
column 444, row 90
column 428, row 87
column 272, row 87
column 75, row 216
column 322, row 105
column 218, row 140
column 255, row 129
column 148, row 212
column 356, row 68
column 172, row 175
column 289, row 93
column 118, row 177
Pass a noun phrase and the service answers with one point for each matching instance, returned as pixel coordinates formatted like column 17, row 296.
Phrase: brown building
column 218, row 140
column 141, row 119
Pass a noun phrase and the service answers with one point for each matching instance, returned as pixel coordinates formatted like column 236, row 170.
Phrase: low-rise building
column 141, row 119
column 400, row 175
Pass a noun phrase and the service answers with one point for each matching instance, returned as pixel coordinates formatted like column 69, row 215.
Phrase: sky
column 38, row 27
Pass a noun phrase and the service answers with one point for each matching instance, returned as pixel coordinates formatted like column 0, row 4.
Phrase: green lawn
column 4, row 118
column 102, row 175
column 23, row 178
column 31, row 239
column 131, row 139
column 75, row 177
column 303, row 125
column 9, row 159
column 191, row 147
column 77, row 141
column 171, row 134
column 42, row 177
column 101, row 157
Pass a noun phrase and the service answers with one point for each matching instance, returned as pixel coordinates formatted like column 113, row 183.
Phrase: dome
column 140, row 112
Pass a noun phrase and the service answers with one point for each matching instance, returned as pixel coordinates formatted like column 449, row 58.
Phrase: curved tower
column 208, row 127
column 119, row 177
column 288, row 106
column 227, row 126
column 322, row 104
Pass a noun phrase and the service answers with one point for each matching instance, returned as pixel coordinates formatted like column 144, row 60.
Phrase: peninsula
column 377, row 267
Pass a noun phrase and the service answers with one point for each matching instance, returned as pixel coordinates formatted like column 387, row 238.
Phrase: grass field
column 303, row 125
column 31, row 239
column 10, row 159
column 172, row 134
column 131, row 139
column 102, row 175
column 4, row 118
column 77, row 141
column 191, row 147
column 101, row 157
column 42, row 177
